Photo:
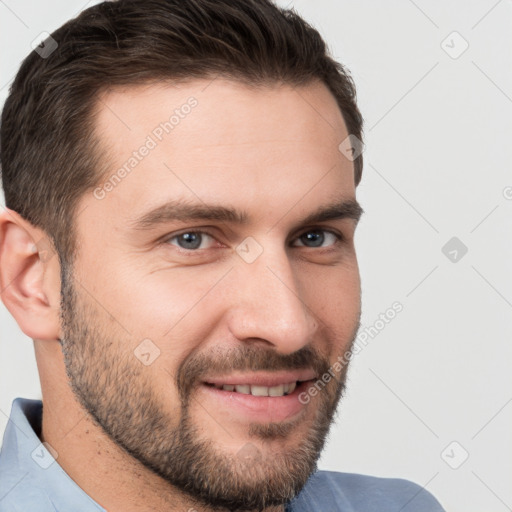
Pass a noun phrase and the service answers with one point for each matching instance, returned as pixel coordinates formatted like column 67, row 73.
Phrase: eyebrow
column 178, row 210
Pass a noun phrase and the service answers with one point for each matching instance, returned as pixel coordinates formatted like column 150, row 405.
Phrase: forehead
column 223, row 140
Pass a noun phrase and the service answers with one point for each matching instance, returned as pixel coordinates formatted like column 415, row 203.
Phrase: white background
column 438, row 133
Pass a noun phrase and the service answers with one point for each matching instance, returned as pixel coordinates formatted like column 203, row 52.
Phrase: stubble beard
column 116, row 390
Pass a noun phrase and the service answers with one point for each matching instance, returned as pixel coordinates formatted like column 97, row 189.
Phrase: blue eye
column 317, row 237
column 192, row 240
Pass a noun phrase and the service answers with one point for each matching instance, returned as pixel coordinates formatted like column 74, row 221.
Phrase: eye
column 190, row 240
column 316, row 238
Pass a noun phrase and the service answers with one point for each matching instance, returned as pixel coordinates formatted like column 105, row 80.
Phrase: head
column 181, row 216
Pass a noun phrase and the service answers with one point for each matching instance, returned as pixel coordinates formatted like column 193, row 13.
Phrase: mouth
column 258, row 397
column 284, row 389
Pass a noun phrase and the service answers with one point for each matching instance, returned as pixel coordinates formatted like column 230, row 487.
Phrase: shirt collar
column 31, row 466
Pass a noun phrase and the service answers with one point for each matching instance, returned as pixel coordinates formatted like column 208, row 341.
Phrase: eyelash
column 339, row 239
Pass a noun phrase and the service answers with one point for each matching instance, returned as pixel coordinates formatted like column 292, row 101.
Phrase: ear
column 29, row 277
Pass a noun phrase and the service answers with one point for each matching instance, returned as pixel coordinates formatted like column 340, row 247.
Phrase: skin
column 270, row 151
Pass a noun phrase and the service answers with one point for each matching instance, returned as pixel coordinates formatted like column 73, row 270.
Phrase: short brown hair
column 49, row 155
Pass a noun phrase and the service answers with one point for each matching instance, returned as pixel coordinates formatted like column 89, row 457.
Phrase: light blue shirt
column 31, row 480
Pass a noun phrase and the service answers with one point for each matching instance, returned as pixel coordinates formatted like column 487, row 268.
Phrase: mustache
column 245, row 358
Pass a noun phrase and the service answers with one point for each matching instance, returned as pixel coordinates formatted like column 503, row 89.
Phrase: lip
column 243, row 408
column 262, row 378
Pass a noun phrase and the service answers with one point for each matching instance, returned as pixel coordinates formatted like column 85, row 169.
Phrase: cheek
column 168, row 307
column 334, row 296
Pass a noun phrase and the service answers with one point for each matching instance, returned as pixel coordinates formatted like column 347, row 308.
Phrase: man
column 179, row 244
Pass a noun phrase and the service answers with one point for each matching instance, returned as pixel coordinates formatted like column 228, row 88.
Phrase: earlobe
column 29, row 277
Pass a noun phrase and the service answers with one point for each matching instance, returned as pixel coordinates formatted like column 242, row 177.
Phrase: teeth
column 247, row 389
column 291, row 387
column 277, row 390
column 259, row 390
column 243, row 388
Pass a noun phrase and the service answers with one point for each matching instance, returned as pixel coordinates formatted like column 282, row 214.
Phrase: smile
column 255, row 390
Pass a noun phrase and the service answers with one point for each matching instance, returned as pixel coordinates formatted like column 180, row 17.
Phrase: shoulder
column 22, row 494
column 350, row 492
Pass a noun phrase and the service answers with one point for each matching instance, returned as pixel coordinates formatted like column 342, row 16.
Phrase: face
column 217, row 269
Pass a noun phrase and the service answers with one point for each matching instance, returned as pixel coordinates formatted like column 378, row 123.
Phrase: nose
column 269, row 304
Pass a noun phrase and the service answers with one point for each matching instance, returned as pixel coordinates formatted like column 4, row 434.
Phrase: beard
column 117, row 391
